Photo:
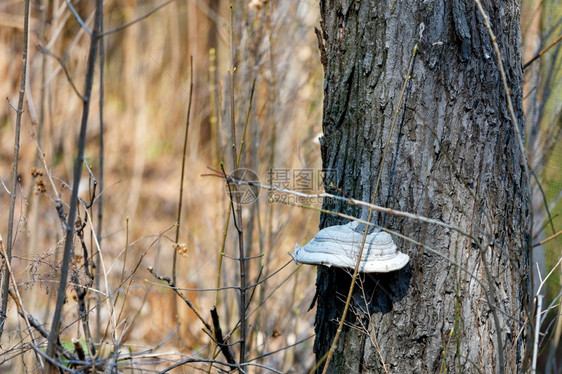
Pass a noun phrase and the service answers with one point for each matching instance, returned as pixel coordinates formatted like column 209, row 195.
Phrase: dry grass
column 146, row 94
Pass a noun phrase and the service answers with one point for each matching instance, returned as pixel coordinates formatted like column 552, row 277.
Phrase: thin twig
column 53, row 361
column 545, row 202
column 537, row 332
column 231, row 71
column 101, row 156
column 548, row 239
column 45, row 51
column 184, row 298
column 219, row 338
column 246, row 121
column 351, row 201
column 205, row 360
column 250, row 286
column 539, row 55
column 14, row 173
column 81, row 292
column 274, row 102
column 67, row 254
column 543, row 281
column 108, row 294
column 180, row 198
column 44, row 333
column 235, row 198
column 237, row 218
column 78, row 18
column 17, row 298
column 124, row 26
column 280, row 349
column 258, row 307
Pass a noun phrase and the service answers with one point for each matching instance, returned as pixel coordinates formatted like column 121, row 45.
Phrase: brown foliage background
column 146, row 87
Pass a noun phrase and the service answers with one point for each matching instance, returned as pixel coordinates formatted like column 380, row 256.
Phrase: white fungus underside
column 339, row 246
column 370, row 265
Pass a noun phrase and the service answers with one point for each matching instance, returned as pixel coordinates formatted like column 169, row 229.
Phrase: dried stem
column 351, row 201
column 68, row 245
column 17, row 297
column 41, row 330
column 184, row 298
column 99, row 227
column 219, row 338
column 122, row 27
column 180, row 199
column 235, row 199
column 544, row 241
column 237, row 218
column 537, row 334
column 217, row 362
column 81, row 292
column 45, row 51
column 542, row 52
column 14, row 173
column 77, row 17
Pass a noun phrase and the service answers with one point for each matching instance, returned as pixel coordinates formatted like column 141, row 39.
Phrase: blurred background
column 277, row 104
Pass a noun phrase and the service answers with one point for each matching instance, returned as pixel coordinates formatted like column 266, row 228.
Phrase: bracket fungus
column 339, row 246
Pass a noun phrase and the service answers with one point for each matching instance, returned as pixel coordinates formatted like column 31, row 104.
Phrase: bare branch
column 64, row 68
column 184, row 298
column 219, row 338
column 119, row 28
column 539, row 55
column 76, row 181
column 77, row 17
column 14, row 173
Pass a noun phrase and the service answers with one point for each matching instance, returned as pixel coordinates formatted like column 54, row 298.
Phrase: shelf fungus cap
column 340, row 245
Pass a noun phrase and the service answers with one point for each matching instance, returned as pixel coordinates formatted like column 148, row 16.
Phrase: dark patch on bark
column 462, row 29
column 383, row 290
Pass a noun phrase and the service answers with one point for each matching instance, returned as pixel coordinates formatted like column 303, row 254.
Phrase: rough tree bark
column 454, row 157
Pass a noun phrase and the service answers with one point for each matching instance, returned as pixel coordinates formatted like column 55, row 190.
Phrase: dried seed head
column 181, row 248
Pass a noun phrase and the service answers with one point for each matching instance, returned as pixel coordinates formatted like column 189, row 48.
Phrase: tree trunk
column 454, row 157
